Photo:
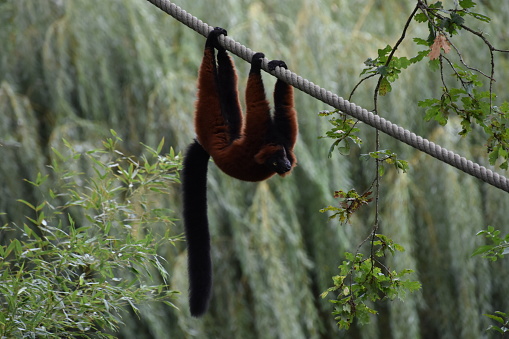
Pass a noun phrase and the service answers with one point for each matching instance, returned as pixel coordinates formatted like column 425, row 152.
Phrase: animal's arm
column 228, row 94
column 285, row 116
column 257, row 107
column 210, row 125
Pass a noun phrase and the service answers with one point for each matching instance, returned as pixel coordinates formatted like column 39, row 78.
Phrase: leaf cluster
column 502, row 320
column 389, row 67
column 467, row 102
column 64, row 275
column 497, row 246
column 448, row 20
column 343, row 132
column 361, row 282
column 470, row 101
column 390, row 158
column 350, row 202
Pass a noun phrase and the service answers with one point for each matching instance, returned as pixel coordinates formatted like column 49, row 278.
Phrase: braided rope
column 343, row 105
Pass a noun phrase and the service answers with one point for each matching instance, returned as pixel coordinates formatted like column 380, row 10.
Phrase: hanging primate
column 250, row 151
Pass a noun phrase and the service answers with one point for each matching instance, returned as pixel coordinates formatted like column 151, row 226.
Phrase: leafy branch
column 343, row 131
column 468, row 100
column 363, row 281
column 497, row 245
column 350, row 203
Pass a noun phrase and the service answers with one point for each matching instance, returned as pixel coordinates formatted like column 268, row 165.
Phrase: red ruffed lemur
column 253, row 150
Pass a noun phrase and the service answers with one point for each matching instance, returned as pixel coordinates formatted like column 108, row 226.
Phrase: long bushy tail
column 194, row 189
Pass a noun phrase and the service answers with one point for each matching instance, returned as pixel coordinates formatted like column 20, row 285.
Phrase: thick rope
column 343, row 105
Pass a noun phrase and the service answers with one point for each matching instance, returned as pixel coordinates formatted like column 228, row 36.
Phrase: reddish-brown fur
column 253, row 150
column 241, row 158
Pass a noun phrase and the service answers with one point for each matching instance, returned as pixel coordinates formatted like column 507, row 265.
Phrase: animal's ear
column 266, row 152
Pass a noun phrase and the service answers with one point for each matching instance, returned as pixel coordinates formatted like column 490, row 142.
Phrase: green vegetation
column 62, row 278
column 362, row 280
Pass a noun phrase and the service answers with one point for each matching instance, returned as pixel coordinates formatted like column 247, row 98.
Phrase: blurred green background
column 75, row 69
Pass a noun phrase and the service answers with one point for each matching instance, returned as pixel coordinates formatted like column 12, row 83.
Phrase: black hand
column 275, row 63
column 256, row 61
column 212, row 38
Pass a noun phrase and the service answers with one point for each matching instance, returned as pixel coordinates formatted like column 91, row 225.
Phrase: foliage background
column 75, row 69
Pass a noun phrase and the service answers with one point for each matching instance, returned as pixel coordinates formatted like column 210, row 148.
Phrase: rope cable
column 343, row 105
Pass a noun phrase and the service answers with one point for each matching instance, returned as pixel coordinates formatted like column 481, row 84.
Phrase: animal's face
column 279, row 162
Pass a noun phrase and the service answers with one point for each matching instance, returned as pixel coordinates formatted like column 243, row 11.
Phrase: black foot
column 275, row 63
column 212, row 38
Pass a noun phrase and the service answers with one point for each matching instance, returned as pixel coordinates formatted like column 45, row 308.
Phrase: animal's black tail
column 194, row 189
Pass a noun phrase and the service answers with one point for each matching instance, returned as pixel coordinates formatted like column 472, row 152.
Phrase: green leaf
column 420, row 55
column 26, row 203
column 14, row 246
column 420, row 17
column 40, row 207
column 467, row 3
column 403, row 62
column 494, row 317
column 383, row 70
column 434, row 65
column 160, row 146
column 483, row 249
column 457, row 19
column 480, row 17
column 421, row 42
column 385, row 86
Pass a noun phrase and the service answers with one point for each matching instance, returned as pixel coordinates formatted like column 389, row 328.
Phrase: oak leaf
column 439, row 43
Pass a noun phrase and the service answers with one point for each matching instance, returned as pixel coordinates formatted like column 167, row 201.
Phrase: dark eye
column 274, row 164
